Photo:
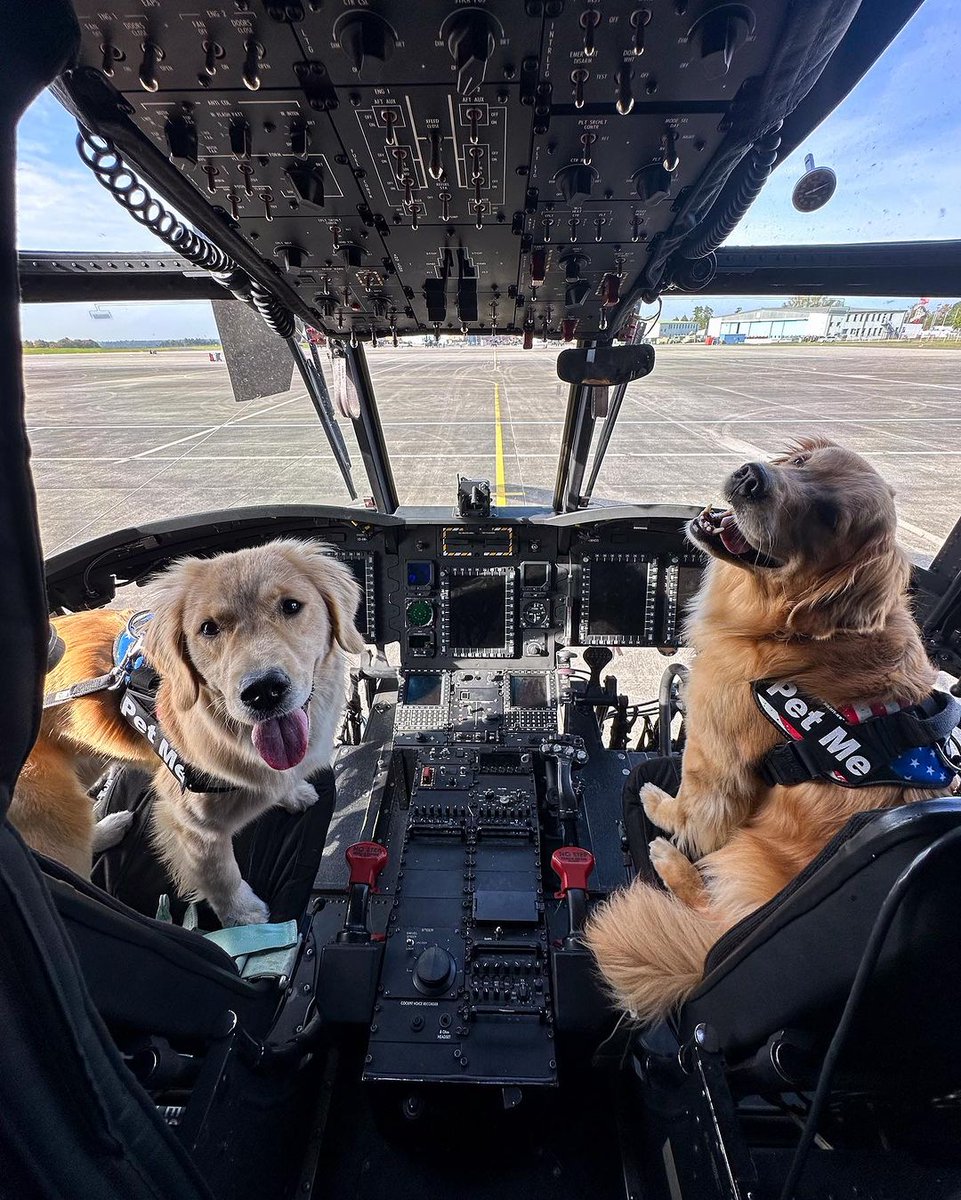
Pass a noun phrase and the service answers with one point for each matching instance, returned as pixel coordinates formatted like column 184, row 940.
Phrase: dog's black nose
column 263, row 693
column 750, row 481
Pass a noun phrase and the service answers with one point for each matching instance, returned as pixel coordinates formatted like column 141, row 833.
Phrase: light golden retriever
column 805, row 582
column 250, row 649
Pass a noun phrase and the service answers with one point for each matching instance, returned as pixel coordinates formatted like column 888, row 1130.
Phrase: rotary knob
column 471, row 38
column 434, row 971
column 367, row 40
column 718, row 34
column 653, row 183
column 576, row 179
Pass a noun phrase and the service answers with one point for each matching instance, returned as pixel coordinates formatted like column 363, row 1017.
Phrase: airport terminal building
column 798, row 324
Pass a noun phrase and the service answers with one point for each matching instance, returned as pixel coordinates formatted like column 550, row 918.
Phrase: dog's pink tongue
column 282, row 741
column 734, row 541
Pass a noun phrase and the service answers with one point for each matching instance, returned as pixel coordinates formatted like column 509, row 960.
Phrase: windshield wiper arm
column 316, row 385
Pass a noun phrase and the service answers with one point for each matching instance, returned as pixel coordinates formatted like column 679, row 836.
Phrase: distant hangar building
column 798, row 324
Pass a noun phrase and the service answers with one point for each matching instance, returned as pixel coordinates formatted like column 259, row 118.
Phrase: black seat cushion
column 791, row 963
column 278, row 854
column 149, row 975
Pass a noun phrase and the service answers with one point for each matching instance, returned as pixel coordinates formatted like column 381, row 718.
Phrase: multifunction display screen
column 529, row 691
column 477, row 613
column 424, row 689
column 614, row 601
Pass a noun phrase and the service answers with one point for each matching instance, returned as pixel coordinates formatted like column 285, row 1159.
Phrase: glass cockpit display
column 478, row 612
column 529, row 691
column 424, row 688
column 617, row 600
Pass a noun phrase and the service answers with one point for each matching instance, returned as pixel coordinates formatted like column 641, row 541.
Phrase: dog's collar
column 858, row 745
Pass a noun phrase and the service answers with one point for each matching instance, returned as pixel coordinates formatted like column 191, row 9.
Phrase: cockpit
column 422, row 1014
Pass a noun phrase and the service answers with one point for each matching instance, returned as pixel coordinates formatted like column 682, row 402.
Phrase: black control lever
column 573, row 866
column 597, row 658
column 559, row 762
column 366, row 860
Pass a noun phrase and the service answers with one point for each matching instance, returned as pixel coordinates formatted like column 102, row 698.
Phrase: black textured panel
column 441, row 166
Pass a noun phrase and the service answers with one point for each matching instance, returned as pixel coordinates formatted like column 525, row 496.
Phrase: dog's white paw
column 110, row 830
column 300, row 799
column 245, row 908
column 660, row 807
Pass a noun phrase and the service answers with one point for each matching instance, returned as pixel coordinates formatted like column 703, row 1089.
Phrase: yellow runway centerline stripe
column 500, row 486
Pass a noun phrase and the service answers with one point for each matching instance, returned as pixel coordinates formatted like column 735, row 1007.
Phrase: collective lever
column 573, row 866
column 365, row 860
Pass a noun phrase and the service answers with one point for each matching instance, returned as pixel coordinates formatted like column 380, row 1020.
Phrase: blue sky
column 893, row 143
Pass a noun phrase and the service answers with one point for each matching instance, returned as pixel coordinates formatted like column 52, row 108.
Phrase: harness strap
column 133, row 673
column 858, row 745
column 86, row 687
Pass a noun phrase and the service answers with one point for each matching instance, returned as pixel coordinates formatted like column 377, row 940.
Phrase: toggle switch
column 240, row 137
column 538, row 266
column 590, row 19
column 299, row 139
column 253, row 56
column 625, row 92
column 181, row 134
column 152, row 55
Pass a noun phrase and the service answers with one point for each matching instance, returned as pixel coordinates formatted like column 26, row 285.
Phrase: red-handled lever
column 366, row 860
column 573, row 866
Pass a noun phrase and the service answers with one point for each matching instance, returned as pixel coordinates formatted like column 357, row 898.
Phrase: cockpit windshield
column 132, row 414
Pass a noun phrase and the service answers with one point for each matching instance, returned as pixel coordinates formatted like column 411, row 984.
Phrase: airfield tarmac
column 120, row 438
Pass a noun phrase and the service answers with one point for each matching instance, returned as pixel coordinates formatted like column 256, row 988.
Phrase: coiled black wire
column 277, row 316
column 738, row 197
column 110, row 171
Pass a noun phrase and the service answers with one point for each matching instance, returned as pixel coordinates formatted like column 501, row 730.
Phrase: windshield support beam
column 370, row 433
column 575, row 447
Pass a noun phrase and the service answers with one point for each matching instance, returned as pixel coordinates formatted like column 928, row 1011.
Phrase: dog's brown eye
column 799, row 461
column 209, row 628
column 290, row 607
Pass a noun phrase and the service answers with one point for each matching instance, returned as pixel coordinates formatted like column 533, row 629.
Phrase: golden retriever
column 250, row 649
column 807, row 583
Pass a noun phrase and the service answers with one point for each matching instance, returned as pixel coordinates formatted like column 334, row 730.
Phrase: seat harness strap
column 859, row 745
column 138, row 681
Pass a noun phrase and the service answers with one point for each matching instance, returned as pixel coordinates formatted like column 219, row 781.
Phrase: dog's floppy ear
column 340, row 592
column 165, row 643
column 857, row 597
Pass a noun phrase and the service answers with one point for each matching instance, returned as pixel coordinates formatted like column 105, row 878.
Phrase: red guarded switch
column 366, row 860
column 573, row 867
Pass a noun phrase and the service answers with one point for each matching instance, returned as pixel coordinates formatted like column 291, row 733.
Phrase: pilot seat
column 835, row 1004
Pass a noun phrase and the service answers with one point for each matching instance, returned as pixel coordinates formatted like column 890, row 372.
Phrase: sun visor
column 259, row 362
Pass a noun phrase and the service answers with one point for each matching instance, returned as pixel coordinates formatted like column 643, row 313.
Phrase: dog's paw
column 660, row 807
column 245, row 908
column 300, row 799
column 677, row 872
column 110, row 830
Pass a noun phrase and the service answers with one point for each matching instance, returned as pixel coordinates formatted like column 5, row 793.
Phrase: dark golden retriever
column 806, row 582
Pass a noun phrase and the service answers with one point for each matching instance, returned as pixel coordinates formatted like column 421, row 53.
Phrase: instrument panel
column 450, row 592
column 451, row 595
